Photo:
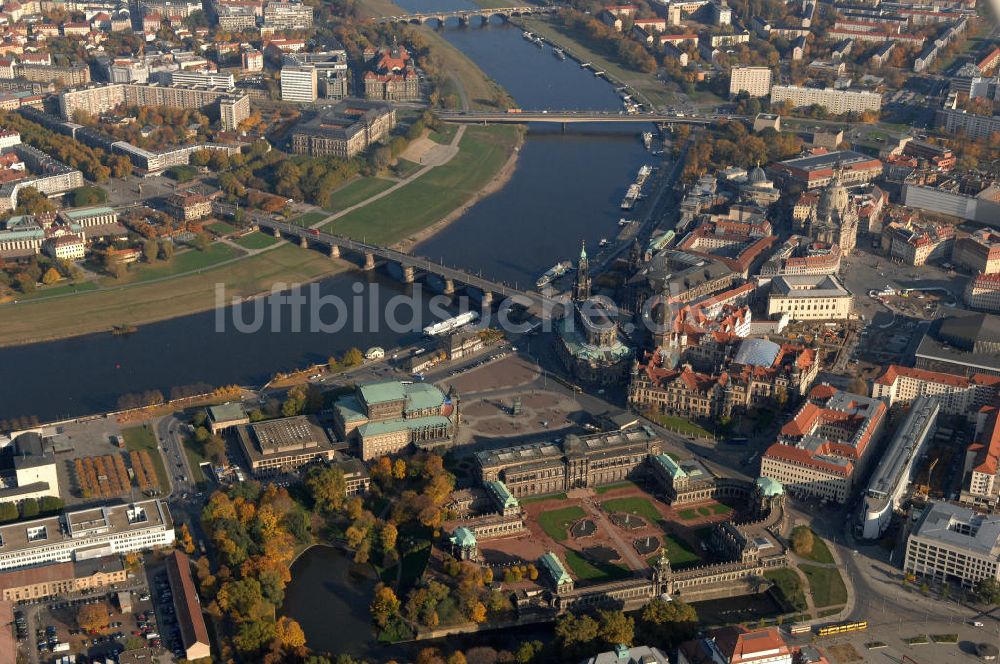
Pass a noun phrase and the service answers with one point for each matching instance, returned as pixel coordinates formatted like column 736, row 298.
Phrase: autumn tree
column 399, row 469
column 51, row 276
column 289, row 633
column 615, row 627
column 92, row 617
column 184, row 540
column 352, row 358
column 327, row 487
column 802, row 540
column 385, row 605
column 388, row 536
column 671, row 621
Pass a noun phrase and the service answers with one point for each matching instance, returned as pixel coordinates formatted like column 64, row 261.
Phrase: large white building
column 299, row 83
column 86, row 534
column 891, row 478
column 755, row 81
column 835, row 101
column 810, row 297
column 954, row 543
column 957, row 395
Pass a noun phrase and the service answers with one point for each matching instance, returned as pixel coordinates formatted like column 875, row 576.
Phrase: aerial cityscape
column 482, row 331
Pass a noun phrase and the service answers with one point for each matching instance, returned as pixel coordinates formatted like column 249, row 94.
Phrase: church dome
column 834, row 199
column 757, row 175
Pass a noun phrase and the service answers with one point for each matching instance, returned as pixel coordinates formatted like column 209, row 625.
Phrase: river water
column 565, row 190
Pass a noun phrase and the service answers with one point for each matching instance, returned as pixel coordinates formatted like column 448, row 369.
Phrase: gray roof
column 941, row 522
column 895, row 464
column 809, row 285
column 757, row 352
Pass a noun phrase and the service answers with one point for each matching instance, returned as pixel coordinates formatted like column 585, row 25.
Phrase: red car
column 313, row 231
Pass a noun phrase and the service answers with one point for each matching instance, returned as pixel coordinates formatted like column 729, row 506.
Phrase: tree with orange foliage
column 289, row 633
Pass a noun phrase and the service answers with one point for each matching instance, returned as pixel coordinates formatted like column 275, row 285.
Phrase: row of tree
column 30, row 508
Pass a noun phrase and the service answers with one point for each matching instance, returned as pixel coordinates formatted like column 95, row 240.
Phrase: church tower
column 581, row 286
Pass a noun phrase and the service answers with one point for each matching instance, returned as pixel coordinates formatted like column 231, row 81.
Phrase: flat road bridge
column 410, row 265
column 569, row 117
column 463, row 15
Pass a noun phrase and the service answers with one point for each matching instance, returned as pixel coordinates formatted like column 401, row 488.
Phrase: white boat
column 603, row 242
column 553, row 273
column 451, row 324
column 527, row 35
column 625, row 222
column 643, row 175
column 631, row 196
column 647, row 139
column 558, row 52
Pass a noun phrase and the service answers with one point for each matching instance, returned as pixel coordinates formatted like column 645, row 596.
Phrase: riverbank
column 498, row 182
column 140, row 304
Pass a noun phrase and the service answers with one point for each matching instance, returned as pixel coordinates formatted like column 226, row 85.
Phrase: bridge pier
column 303, row 242
column 334, row 251
column 369, row 263
column 449, row 287
column 487, row 300
column 408, row 273
column 277, row 233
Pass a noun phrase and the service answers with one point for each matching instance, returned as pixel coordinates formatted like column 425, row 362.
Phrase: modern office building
column 299, row 83
column 332, row 75
column 86, row 534
column 755, row 81
column 810, row 297
column 347, row 129
column 954, row 543
column 816, row 170
column 826, row 445
column 965, row 344
column 282, row 445
column 288, row 16
column 384, row 418
column 888, row 484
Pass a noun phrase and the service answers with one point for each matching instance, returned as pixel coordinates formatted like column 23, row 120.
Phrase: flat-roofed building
column 227, row 415
column 43, row 581
column 953, row 543
column 86, row 534
column 889, row 482
column 978, row 252
column 810, row 297
column 835, row 101
column 825, row 446
column 983, row 293
column 755, row 81
column 282, row 445
column 578, row 461
column 383, row 418
column 190, row 621
column 299, row 83
column 965, row 344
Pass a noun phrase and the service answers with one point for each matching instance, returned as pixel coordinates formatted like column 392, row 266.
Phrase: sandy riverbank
column 498, row 182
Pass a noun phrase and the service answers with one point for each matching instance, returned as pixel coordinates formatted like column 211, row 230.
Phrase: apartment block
column 958, row 395
column 755, row 81
column 835, row 101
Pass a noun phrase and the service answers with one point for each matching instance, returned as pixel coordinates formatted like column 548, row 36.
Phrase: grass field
column 356, row 191
column 679, row 553
column 585, row 570
column 196, row 456
column 556, row 523
column 825, row 584
column 820, row 552
column 256, row 240
column 633, row 505
column 99, row 310
column 43, row 293
column 680, row 425
column 221, row 228
column 404, row 168
column 309, row 218
column 601, row 490
column 790, row 586
column 185, row 261
column 483, row 152
column 443, row 135
column 542, row 499
column 143, row 438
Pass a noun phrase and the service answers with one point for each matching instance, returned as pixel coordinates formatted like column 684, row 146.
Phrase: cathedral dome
column 757, row 175
column 834, row 200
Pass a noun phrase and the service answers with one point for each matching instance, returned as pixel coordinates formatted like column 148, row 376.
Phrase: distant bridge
column 409, row 266
column 463, row 16
column 569, row 117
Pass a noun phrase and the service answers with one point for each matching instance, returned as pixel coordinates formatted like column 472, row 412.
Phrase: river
column 565, row 190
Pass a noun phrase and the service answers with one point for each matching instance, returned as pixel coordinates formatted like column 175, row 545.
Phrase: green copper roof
column 420, row 396
column 463, row 537
column 669, row 465
column 88, row 212
column 555, row 568
column 770, row 487
column 227, row 412
column 502, row 494
column 409, row 424
column 373, row 393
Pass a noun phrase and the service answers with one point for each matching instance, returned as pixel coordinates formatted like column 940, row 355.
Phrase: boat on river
column 553, row 273
column 559, row 53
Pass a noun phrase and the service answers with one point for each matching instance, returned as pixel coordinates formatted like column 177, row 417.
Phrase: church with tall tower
column 581, row 285
column 835, row 218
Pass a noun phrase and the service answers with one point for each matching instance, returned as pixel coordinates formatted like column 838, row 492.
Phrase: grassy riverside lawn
column 185, row 261
column 647, row 85
column 142, row 438
column 356, row 191
column 482, row 153
column 556, row 523
column 256, row 240
column 100, row 310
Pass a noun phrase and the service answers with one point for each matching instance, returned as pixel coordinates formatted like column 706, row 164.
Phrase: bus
column 843, row 628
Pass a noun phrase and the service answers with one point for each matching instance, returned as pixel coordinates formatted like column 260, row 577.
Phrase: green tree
column 32, row 201
column 988, row 591
column 88, row 195
column 29, row 508
column 802, row 540
column 166, row 250
column 8, row 512
column 352, row 358
column 50, row 504
column 150, row 250
column 616, row 627
column 670, row 621
column 295, row 403
column 327, row 488
column 572, row 630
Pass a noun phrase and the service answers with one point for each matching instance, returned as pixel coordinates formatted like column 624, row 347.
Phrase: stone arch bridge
column 465, row 15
